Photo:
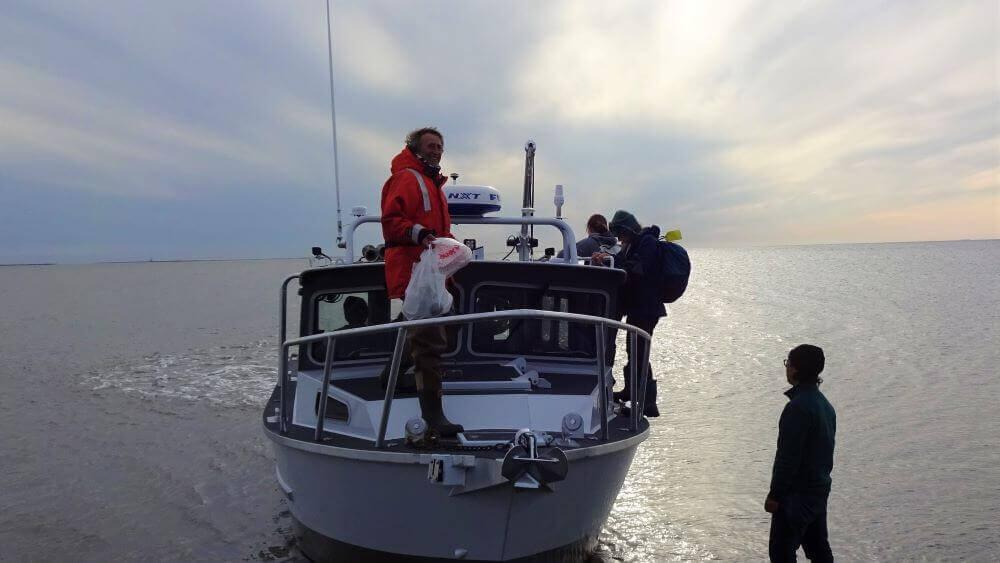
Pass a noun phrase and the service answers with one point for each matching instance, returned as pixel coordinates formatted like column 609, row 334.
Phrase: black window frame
column 544, row 289
column 390, row 335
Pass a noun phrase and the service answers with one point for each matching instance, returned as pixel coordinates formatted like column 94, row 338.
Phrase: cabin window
column 353, row 309
column 533, row 336
column 333, row 311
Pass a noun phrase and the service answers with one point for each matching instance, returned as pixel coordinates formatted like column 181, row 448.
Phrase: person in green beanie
column 638, row 299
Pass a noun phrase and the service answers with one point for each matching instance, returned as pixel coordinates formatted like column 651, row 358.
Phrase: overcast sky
column 182, row 129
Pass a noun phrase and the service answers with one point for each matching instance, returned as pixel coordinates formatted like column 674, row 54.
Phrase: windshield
column 536, row 337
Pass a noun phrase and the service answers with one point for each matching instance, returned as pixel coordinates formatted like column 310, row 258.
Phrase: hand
column 426, row 237
column 770, row 505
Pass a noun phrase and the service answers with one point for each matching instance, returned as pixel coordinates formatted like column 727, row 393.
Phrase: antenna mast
column 333, row 127
column 528, row 205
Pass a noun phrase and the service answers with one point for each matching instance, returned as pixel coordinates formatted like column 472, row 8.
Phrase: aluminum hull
column 383, row 502
column 318, row 547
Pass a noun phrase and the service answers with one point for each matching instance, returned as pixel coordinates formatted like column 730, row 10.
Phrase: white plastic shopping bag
column 426, row 295
column 452, row 255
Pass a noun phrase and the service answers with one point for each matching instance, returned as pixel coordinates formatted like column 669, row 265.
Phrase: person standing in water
column 800, row 480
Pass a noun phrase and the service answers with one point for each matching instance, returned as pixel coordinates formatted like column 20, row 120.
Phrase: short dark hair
column 598, row 224
column 808, row 361
column 355, row 310
column 413, row 137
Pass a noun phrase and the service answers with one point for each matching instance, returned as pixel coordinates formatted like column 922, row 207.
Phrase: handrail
column 633, row 377
column 327, row 367
column 603, row 392
column 569, row 242
column 390, row 387
column 468, row 317
column 601, row 325
column 283, row 360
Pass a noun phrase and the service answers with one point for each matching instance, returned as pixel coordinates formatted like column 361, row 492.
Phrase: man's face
column 790, row 372
column 430, row 148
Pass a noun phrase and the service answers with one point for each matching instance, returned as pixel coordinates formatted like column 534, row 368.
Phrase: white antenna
column 333, row 127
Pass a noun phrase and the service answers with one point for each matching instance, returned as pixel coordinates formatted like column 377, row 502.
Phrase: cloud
column 979, row 213
column 741, row 122
column 826, row 105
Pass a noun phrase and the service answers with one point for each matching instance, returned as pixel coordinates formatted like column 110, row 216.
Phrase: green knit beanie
column 624, row 221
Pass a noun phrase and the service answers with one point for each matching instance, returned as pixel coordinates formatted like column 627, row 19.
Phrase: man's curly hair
column 413, row 137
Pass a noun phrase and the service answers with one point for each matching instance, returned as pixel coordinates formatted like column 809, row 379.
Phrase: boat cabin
column 338, row 298
column 526, row 370
column 502, row 367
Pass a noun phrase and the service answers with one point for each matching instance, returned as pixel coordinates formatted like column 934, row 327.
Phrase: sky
column 182, row 129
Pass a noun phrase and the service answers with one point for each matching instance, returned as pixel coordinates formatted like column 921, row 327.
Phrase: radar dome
column 473, row 201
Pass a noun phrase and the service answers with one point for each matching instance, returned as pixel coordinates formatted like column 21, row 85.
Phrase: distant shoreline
column 179, row 260
column 150, row 261
column 194, row 260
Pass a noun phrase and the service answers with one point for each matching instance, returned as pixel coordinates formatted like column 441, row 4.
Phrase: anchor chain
column 437, row 445
column 501, row 447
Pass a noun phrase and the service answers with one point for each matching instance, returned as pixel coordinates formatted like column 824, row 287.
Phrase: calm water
column 131, row 393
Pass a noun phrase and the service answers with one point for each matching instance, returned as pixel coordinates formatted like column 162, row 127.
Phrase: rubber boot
column 649, row 409
column 433, row 414
column 625, row 394
column 621, row 396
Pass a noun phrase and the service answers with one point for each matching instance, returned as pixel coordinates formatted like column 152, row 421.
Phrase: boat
column 528, row 373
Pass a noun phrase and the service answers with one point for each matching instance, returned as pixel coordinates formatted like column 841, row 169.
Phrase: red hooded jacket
column 411, row 201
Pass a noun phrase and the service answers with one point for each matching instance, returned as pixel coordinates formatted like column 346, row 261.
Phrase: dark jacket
column 411, row 201
column 806, row 432
column 640, row 296
column 588, row 246
column 593, row 242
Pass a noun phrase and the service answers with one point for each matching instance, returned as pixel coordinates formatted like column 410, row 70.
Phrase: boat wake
column 240, row 375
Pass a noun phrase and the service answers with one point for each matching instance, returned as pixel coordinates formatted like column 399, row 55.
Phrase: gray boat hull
column 319, row 548
column 384, row 502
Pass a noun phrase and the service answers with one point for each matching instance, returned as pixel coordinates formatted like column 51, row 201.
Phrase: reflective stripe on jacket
column 411, row 201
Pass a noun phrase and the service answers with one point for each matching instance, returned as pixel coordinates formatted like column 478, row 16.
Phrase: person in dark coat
column 598, row 235
column 639, row 299
column 800, row 480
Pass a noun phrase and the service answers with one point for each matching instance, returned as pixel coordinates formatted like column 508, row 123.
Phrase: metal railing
column 569, row 243
column 283, row 362
column 637, row 385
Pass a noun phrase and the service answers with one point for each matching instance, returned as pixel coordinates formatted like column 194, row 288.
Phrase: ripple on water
column 240, row 375
column 909, row 333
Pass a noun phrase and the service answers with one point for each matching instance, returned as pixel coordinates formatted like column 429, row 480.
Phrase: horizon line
column 178, row 260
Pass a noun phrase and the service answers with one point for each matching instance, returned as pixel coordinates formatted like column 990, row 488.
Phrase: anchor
column 530, row 467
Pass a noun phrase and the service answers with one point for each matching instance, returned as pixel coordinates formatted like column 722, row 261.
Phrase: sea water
column 131, row 395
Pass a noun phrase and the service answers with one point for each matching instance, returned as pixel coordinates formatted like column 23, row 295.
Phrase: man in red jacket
column 414, row 212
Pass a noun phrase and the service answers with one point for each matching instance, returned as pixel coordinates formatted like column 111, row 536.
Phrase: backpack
column 675, row 268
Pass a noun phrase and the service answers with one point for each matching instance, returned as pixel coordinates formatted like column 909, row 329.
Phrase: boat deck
column 369, row 388
column 618, row 430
